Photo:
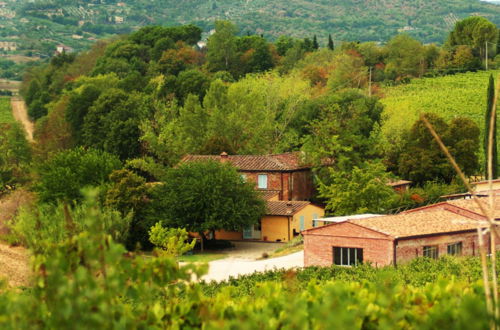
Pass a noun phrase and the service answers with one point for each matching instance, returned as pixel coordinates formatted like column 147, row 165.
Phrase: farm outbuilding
column 393, row 239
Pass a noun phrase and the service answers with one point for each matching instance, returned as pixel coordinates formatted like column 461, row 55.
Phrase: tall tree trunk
column 489, row 110
column 202, row 241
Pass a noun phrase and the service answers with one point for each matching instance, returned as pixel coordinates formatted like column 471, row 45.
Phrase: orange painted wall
column 275, row 228
column 308, row 213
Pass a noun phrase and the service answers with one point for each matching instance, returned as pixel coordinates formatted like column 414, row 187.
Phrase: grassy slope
column 5, row 111
column 449, row 96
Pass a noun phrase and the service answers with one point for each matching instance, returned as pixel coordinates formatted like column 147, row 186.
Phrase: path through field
column 21, row 114
column 14, row 265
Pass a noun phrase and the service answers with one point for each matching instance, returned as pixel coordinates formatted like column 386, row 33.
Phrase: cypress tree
column 489, row 104
column 330, row 42
column 315, row 43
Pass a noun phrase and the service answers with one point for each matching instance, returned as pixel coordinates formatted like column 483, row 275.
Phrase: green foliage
column 422, row 159
column 15, row 155
column 6, row 116
column 170, row 240
column 207, row 196
column 87, row 280
column 362, row 190
column 112, row 123
column 45, row 226
column 344, row 129
column 449, row 96
column 474, row 32
column 63, row 176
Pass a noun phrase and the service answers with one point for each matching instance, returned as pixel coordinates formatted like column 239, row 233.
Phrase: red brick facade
column 379, row 249
column 295, row 185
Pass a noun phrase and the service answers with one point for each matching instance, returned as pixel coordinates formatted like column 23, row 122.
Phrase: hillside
column 462, row 94
column 38, row 26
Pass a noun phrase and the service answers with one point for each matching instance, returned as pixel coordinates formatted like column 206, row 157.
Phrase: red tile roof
column 419, row 223
column 285, row 208
column 279, row 162
column 268, row 194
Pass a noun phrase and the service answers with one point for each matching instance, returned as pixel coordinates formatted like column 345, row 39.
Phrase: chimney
column 289, row 208
column 223, row 157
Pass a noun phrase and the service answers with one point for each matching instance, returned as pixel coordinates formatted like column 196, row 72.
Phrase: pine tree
column 489, row 104
column 315, row 43
column 330, row 42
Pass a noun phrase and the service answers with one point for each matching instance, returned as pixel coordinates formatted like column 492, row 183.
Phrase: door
column 248, row 232
column 302, row 223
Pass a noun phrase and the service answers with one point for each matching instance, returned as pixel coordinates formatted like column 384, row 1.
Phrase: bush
column 63, row 177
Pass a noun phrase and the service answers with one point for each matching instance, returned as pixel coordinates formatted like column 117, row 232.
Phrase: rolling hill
column 37, row 26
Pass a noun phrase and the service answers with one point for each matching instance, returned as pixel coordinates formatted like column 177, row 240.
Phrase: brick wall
column 318, row 244
column 297, row 186
column 377, row 248
column 411, row 248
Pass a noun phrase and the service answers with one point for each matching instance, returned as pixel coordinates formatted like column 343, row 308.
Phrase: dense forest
column 102, row 182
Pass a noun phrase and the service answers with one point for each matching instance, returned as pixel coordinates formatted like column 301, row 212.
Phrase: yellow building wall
column 275, row 228
column 308, row 213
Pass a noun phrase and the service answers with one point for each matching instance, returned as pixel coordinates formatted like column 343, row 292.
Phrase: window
column 455, row 249
column 243, row 177
column 262, row 183
column 431, row 251
column 302, row 223
column 344, row 256
column 314, row 222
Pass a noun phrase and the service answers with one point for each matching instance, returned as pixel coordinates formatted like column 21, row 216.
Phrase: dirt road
column 21, row 114
column 14, row 265
column 222, row 270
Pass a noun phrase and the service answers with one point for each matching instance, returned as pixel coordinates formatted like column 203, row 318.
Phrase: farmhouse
column 284, row 174
column 432, row 231
column 286, row 185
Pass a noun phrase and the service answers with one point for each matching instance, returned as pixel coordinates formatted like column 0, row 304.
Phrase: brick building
column 433, row 231
column 284, row 174
column 286, row 185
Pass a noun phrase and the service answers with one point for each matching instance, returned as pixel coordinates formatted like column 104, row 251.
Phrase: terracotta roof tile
column 285, row 207
column 268, row 194
column 418, row 223
column 278, row 162
column 471, row 205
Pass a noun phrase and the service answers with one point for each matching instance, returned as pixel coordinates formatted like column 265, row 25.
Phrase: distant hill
column 37, row 26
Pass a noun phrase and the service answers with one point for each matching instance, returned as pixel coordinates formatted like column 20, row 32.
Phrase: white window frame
column 263, row 176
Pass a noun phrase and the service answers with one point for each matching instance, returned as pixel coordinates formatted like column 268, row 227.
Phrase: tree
column 208, row 196
column 475, row 32
column 341, row 129
column 405, row 57
column 63, row 176
column 330, row 42
column 222, row 47
column 171, row 241
column 112, row 123
column 315, row 43
column 489, row 109
column 362, row 190
column 422, row 159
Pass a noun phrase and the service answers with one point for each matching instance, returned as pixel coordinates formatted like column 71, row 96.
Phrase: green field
column 5, row 111
column 449, row 96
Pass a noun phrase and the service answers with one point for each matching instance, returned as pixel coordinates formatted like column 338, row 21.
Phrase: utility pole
column 370, row 83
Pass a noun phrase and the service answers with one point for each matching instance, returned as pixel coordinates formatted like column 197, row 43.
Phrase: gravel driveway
column 221, row 270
